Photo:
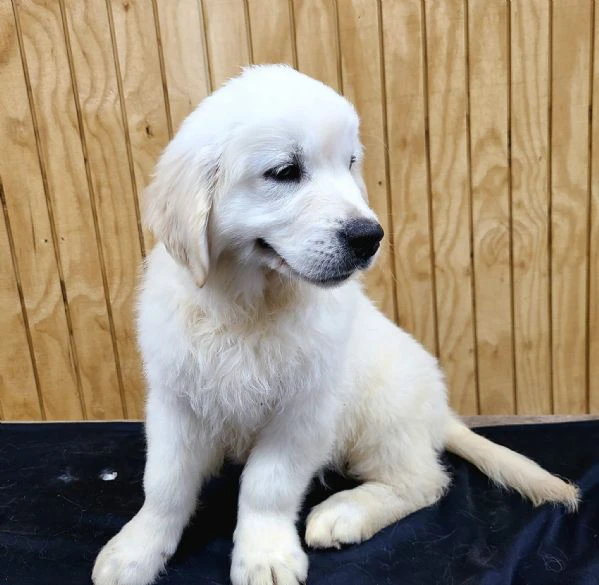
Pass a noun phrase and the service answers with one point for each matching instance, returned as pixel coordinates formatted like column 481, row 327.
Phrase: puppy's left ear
column 177, row 206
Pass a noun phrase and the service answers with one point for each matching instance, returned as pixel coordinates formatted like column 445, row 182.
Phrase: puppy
column 260, row 346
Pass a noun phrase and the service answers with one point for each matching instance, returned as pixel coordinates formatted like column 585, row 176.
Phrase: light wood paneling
column 272, row 32
column 480, row 123
column 593, row 357
column 450, row 191
column 569, row 201
column 488, row 58
column 135, row 50
column 185, row 64
column 404, row 85
column 69, row 192
column 34, row 240
column 529, row 96
column 113, row 196
column 229, row 46
column 18, row 387
column 317, row 38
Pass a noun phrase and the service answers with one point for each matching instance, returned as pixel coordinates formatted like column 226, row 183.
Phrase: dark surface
column 56, row 513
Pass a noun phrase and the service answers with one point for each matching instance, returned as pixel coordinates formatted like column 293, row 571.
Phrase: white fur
column 247, row 357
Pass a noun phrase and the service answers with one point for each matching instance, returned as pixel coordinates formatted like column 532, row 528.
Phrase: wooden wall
column 482, row 162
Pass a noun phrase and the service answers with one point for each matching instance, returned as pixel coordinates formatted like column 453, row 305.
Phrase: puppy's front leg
column 177, row 462
column 287, row 454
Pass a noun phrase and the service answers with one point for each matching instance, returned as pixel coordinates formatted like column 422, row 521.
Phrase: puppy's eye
column 286, row 174
column 352, row 160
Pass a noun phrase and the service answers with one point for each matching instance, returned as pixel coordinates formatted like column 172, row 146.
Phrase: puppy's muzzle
column 362, row 237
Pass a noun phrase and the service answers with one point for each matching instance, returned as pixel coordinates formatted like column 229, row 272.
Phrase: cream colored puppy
column 259, row 344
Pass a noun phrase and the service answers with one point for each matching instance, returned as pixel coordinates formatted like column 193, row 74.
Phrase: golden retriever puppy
column 259, row 344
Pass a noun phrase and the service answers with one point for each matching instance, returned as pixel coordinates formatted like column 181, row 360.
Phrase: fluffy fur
column 259, row 344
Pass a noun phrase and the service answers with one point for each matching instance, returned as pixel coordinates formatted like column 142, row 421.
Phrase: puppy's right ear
column 177, row 206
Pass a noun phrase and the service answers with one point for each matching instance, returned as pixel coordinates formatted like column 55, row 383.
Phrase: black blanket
column 65, row 489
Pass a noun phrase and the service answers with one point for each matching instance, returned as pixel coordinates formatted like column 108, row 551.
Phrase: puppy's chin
column 322, row 281
column 325, row 279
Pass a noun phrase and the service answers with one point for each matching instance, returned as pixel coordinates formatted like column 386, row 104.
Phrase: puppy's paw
column 269, row 555
column 135, row 556
column 339, row 520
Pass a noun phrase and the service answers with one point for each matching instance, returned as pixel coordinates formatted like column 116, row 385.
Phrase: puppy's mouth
column 278, row 263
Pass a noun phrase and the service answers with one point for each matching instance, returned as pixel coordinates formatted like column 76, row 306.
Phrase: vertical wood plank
column 138, row 67
column 103, row 129
column 317, row 40
column 362, row 84
column 227, row 38
column 449, row 170
column 489, row 73
column 403, row 54
column 185, row 63
column 593, row 341
column 18, row 392
column 272, row 37
column 52, row 92
column 530, row 203
column 32, row 237
column 569, row 203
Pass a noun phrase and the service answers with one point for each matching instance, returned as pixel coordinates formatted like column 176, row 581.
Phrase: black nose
column 363, row 236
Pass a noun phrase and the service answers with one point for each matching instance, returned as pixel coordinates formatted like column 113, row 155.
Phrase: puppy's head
column 267, row 169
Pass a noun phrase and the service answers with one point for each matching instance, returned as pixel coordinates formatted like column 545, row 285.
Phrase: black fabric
column 56, row 512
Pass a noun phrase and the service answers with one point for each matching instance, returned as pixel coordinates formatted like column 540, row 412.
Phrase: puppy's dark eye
column 352, row 160
column 286, row 174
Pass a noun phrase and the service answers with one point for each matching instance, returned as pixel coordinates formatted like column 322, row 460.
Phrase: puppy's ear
column 177, row 206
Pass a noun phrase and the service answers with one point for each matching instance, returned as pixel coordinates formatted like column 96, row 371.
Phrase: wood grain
column 19, row 398
column 61, row 147
column 449, row 172
column 593, row 300
column 480, row 123
column 138, row 66
column 33, row 241
column 569, row 200
column 529, row 87
column 316, row 34
column 185, row 62
column 271, row 32
column 361, row 62
column 114, row 197
column 488, row 56
column 403, row 54
column 227, row 38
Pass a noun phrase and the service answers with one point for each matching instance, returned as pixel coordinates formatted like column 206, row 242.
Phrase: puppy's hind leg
column 397, row 484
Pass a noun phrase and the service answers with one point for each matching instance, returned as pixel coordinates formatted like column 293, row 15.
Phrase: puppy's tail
column 510, row 469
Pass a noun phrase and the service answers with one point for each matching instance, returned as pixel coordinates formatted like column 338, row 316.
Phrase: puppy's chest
column 244, row 376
